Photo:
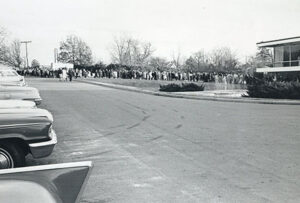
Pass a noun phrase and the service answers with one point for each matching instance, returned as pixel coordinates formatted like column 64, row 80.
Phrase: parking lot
column 147, row 148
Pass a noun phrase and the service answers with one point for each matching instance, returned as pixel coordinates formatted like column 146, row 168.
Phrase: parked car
column 20, row 93
column 55, row 183
column 9, row 76
column 23, row 131
column 16, row 104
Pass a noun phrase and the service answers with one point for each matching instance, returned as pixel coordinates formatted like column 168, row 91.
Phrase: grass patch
column 277, row 90
column 183, row 87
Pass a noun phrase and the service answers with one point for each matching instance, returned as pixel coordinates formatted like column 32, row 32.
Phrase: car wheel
column 11, row 156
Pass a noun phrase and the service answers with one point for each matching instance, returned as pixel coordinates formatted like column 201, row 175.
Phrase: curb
column 207, row 98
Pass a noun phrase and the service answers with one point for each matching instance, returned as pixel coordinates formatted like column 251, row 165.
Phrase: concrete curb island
column 198, row 97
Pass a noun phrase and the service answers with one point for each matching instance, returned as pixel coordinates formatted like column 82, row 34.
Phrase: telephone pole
column 26, row 42
column 55, row 55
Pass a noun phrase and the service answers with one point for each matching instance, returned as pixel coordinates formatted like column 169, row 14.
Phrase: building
column 286, row 56
column 56, row 66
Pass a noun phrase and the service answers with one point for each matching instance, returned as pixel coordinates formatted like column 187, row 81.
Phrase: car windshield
column 8, row 73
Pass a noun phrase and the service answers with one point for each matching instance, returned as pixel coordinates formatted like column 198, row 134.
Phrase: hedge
column 183, row 87
column 259, row 88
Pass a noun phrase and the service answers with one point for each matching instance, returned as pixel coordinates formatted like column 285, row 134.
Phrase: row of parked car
column 27, row 129
column 24, row 128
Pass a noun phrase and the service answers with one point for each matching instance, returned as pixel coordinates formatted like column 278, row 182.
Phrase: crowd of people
column 68, row 74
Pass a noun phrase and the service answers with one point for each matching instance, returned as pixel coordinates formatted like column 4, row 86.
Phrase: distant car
column 11, row 77
column 20, row 93
column 16, row 104
column 23, row 131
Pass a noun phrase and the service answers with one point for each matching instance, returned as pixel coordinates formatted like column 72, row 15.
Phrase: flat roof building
column 286, row 55
column 56, row 66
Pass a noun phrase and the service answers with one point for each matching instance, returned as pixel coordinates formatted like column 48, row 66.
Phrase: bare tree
column 15, row 58
column 3, row 47
column 158, row 63
column 223, row 59
column 75, row 50
column 264, row 56
column 199, row 58
column 129, row 51
column 11, row 54
column 197, row 62
column 141, row 53
column 2, row 35
column 177, row 59
column 120, row 49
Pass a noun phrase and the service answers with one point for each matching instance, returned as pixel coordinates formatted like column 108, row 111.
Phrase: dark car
column 23, row 131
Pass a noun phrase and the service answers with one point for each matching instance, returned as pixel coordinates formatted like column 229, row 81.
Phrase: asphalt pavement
column 148, row 148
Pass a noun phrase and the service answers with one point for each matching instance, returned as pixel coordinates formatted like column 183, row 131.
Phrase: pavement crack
column 145, row 118
column 155, row 138
column 178, row 126
column 133, row 126
column 99, row 153
column 116, row 126
column 108, row 134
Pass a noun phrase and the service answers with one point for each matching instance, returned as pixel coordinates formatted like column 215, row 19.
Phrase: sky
column 171, row 26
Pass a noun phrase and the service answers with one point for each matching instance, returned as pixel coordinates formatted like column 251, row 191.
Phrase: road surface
column 148, row 148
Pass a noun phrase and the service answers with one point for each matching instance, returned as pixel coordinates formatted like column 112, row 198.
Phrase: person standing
column 64, row 74
column 70, row 74
column 59, row 72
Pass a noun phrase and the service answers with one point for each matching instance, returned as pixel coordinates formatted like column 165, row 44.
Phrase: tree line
column 129, row 52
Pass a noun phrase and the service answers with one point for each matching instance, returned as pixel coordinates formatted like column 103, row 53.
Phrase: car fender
column 47, row 183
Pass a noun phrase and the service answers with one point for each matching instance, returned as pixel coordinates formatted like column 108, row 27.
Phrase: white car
column 16, row 104
column 11, row 77
column 20, row 93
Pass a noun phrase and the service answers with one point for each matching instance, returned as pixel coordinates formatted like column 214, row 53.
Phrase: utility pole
column 26, row 42
column 55, row 55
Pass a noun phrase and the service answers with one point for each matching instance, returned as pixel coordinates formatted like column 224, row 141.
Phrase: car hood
column 22, row 116
column 18, row 88
column 15, row 80
column 18, row 92
column 11, row 104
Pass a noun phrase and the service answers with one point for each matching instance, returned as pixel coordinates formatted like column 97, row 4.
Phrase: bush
column 183, row 87
column 278, row 90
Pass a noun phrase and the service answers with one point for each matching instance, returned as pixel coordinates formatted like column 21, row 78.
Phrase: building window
column 278, row 54
column 295, row 55
column 288, row 55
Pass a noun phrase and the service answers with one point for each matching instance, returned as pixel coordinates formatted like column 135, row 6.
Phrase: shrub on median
column 277, row 90
column 183, row 87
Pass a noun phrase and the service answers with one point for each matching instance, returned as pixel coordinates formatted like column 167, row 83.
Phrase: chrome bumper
column 43, row 149
column 38, row 101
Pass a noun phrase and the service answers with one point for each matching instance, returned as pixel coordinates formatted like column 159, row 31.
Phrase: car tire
column 11, row 156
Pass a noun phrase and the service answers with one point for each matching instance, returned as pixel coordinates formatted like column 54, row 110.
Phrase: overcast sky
column 170, row 25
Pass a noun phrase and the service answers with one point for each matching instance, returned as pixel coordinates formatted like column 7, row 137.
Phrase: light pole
column 26, row 42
